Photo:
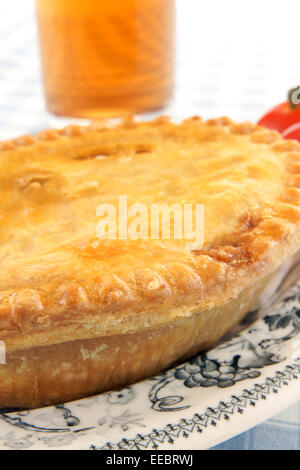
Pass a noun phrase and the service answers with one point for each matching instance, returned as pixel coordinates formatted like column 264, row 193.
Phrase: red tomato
column 281, row 117
column 284, row 114
column 292, row 132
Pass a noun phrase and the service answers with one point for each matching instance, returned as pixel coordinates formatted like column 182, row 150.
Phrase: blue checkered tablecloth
column 233, row 58
column 282, row 432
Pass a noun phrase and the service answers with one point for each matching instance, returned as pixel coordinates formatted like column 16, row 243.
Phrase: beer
column 106, row 57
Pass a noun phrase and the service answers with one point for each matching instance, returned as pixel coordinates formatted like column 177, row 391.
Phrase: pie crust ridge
column 46, row 375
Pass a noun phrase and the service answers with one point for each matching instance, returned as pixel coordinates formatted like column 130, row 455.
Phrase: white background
column 234, row 57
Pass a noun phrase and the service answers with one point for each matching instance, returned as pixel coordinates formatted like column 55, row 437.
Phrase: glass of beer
column 106, row 57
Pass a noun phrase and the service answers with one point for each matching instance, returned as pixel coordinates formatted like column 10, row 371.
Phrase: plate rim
column 285, row 374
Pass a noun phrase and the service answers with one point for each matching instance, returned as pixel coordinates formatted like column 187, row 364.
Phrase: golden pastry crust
column 59, row 283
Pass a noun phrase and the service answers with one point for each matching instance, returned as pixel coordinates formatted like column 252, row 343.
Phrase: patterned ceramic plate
column 195, row 405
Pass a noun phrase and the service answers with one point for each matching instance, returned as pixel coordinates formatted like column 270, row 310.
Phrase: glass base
column 56, row 121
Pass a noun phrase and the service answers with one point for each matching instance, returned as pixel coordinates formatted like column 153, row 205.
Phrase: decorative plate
column 251, row 376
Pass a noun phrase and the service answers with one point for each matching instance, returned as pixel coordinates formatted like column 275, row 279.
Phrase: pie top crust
column 59, row 282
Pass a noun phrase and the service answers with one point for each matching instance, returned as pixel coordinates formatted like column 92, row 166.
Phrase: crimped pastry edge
column 45, row 375
column 214, row 277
